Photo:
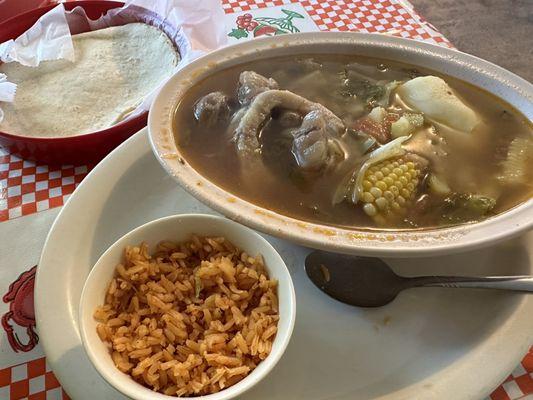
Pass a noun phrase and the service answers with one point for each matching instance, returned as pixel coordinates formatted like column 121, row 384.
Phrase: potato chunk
column 432, row 96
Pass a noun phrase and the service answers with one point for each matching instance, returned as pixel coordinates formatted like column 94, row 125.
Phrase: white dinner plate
column 430, row 343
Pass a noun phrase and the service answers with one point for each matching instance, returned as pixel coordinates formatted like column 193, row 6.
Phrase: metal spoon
column 369, row 282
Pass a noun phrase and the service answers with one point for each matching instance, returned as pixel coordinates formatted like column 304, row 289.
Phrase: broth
column 464, row 172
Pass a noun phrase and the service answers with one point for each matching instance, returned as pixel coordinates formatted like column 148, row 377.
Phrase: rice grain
column 191, row 319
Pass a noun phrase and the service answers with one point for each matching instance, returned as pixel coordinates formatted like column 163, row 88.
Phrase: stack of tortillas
column 114, row 69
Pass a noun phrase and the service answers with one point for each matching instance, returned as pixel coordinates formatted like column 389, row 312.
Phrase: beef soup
column 357, row 143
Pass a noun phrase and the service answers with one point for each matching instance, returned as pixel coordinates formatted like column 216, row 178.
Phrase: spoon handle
column 516, row 283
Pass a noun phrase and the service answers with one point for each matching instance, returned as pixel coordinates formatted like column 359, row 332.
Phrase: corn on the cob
column 388, row 187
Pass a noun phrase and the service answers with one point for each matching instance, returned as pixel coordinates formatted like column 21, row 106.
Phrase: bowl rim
column 136, row 391
column 384, row 243
column 48, row 7
column 107, row 131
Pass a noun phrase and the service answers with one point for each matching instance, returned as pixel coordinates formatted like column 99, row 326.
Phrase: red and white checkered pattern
column 33, row 380
column 27, row 187
column 369, row 16
column 519, row 384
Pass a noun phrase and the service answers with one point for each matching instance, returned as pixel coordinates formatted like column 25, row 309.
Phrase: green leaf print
column 238, row 33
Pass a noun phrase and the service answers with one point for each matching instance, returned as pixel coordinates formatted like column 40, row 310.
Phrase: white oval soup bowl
column 382, row 243
column 179, row 228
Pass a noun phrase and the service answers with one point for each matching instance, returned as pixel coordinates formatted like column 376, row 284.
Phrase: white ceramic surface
column 180, row 228
column 504, row 84
column 429, row 344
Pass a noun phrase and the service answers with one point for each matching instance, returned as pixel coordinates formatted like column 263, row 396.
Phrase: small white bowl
column 180, row 228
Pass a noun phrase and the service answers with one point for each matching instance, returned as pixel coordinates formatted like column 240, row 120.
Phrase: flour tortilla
column 114, row 69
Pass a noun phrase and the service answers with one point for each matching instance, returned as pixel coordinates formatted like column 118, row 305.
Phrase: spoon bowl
column 361, row 281
column 370, row 282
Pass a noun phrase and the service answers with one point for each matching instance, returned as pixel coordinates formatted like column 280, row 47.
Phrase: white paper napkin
column 200, row 26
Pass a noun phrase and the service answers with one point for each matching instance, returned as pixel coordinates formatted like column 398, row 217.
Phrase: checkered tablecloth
column 33, row 380
column 29, row 188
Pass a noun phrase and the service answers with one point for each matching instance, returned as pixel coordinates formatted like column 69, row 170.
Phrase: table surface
column 500, row 31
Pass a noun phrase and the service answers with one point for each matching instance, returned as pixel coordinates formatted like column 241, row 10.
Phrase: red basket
column 86, row 148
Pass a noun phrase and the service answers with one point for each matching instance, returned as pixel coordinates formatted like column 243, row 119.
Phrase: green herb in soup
column 356, row 142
